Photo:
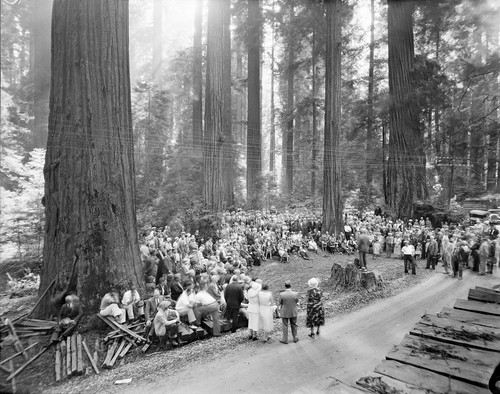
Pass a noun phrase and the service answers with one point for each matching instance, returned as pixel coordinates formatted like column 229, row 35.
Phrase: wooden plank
column 17, row 343
column 57, row 363
column 13, row 381
column 92, row 362
column 479, row 294
column 125, row 350
column 96, row 346
column 22, row 367
column 79, row 355
column 110, row 324
column 63, row 359
column 125, row 329
column 478, row 307
column 470, row 317
column 18, row 353
column 109, row 354
column 117, row 353
column 5, row 369
column 68, row 356
column 146, row 347
column 469, row 365
column 426, row 380
column 463, row 334
column 73, row 355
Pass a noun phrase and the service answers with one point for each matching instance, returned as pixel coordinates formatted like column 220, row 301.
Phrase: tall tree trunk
column 272, row 134
column 229, row 144
column 157, row 58
column 254, row 136
column 332, row 182
column 370, row 133
column 197, row 78
column 90, row 230
column 493, row 130
column 41, row 22
column 288, row 136
column 406, row 164
column 314, row 156
column 215, row 108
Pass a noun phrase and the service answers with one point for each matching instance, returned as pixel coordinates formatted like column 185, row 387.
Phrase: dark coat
column 233, row 294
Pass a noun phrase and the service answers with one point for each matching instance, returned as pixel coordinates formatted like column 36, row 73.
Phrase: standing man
column 289, row 301
column 363, row 247
column 150, row 312
column 432, row 253
column 408, row 253
column 233, row 294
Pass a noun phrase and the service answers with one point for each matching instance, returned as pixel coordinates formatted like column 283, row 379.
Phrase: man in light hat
column 166, row 324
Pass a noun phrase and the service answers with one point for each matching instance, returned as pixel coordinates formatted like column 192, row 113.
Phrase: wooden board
column 484, row 295
column 478, row 307
column 92, row 362
column 18, row 353
column 125, row 350
column 426, row 380
column 13, row 381
column 73, row 355
column 470, row 317
column 63, row 359
column 79, row 355
column 109, row 354
column 463, row 334
column 57, row 364
column 68, row 356
column 469, row 365
column 17, row 343
column 117, row 353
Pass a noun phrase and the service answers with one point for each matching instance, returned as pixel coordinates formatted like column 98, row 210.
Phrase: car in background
column 478, row 216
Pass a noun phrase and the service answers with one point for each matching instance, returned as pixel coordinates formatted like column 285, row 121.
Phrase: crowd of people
column 189, row 278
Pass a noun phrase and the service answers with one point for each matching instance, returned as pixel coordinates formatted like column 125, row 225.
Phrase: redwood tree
column 197, row 78
column 332, row 181
column 90, row 239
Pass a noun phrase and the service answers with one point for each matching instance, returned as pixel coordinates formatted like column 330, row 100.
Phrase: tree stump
column 348, row 276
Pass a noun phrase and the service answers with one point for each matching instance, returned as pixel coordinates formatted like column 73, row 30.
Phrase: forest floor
column 39, row 377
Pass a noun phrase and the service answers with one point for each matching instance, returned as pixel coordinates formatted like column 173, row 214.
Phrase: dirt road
column 347, row 349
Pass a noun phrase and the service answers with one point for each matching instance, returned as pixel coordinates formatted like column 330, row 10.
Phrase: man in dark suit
column 233, row 294
column 289, row 301
column 150, row 311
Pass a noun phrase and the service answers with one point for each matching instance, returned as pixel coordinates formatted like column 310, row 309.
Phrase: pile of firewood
column 69, row 357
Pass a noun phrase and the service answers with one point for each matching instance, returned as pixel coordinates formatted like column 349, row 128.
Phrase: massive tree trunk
column 229, row 167
column 493, row 130
column 197, row 78
column 254, row 136
column 332, row 182
column 41, row 21
column 370, row 133
column 90, row 230
column 314, row 156
column 215, row 108
column 272, row 134
column 406, row 164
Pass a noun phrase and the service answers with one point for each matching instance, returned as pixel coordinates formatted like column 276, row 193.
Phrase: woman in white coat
column 253, row 309
column 266, row 311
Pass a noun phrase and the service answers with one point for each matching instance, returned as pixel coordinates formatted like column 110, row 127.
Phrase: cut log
column 117, row 353
column 454, row 361
column 346, row 275
column 426, row 380
column 68, row 356
column 452, row 331
column 79, row 355
column 478, row 307
column 18, row 353
column 352, row 276
column 484, row 295
column 470, row 317
column 58, row 363
column 87, row 352
column 63, row 359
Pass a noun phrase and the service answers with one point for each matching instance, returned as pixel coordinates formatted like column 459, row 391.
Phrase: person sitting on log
column 69, row 316
column 110, row 306
column 207, row 305
column 132, row 303
column 312, row 245
column 186, row 303
column 166, row 324
column 150, row 312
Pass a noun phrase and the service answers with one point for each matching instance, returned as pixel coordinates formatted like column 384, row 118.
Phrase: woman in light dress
column 253, row 309
column 447, row 251
column 266, row 311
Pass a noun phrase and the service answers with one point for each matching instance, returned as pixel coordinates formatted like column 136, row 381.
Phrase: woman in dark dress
column 315, row 307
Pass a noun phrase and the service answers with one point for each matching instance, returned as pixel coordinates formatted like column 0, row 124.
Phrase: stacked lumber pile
column 456, row 350
column 121, row 339
column 26, row 328
column 69, row 360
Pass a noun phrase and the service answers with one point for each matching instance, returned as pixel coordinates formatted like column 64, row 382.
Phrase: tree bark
column 370, row 133
column 406, row 163
column 215, row 109
column 272, row 136
column 197, row 79
column 332, row 182
column 157, row 58
column 254, row 135
column 493, row 129
column 314, row 156
column 89, row 168
column 41, row 25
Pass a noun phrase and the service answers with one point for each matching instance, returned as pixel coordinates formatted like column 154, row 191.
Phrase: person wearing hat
column 315, row 307
column 131, row 301
column 166, row 324
column 233, row 296
column 253, row 309
column 432, row 253
column 110, row 306
column 289, row 301
column 150, row 311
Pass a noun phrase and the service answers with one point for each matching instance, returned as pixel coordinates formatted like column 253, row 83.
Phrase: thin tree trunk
column 197, row 78
column 332, row 182
column 288, row 138
column 90, row 240
column 370, row 134
column 493, row 130
column 254, row 137
column 157, row 58
column 215, row 108
column 272, row 137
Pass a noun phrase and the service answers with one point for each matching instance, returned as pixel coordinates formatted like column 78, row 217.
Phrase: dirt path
column 347, row 349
